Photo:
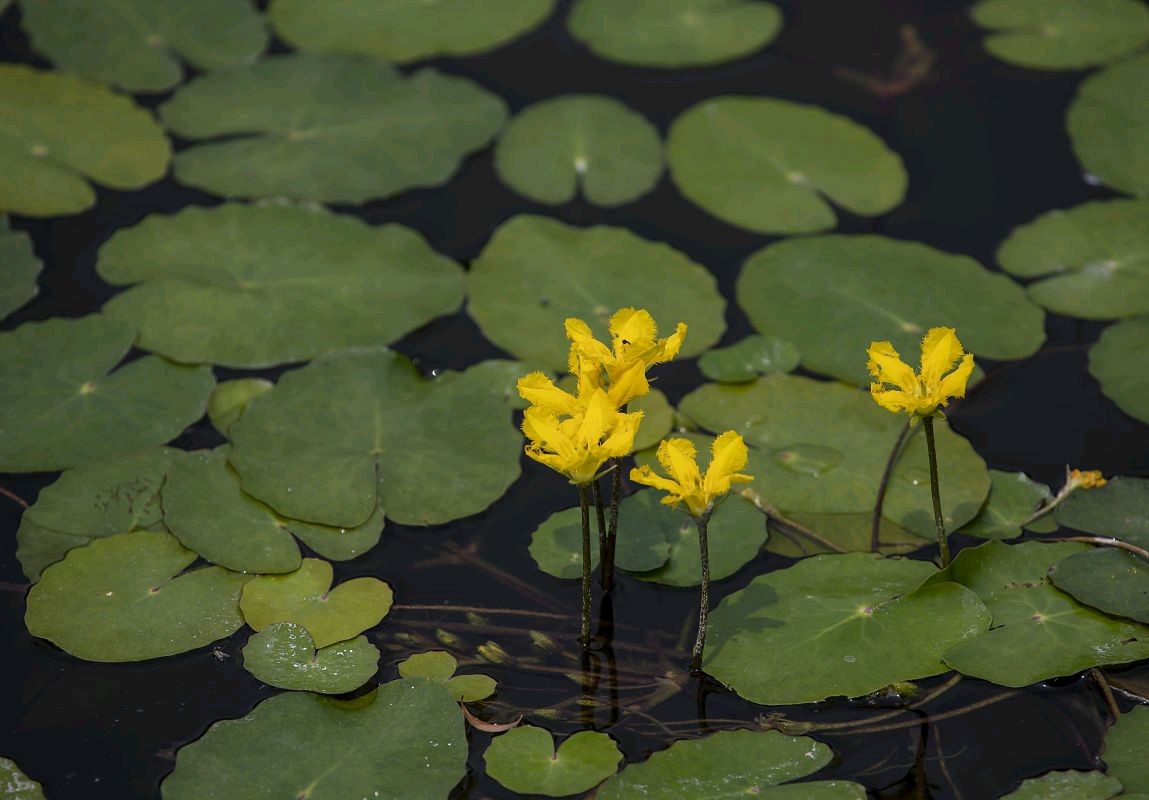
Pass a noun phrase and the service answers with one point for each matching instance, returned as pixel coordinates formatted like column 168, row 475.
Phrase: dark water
column 986, row 150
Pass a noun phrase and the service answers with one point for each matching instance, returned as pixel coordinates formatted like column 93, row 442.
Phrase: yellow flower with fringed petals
column 686, row 483
column 579, row 445
column 897, row 388
column 635, row 347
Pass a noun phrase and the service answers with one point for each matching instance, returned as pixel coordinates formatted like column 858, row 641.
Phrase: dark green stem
column 584, row 502
column 876, row 522
column 704, row 600
column 602, row 546
column 935, row 489
column 612, row 531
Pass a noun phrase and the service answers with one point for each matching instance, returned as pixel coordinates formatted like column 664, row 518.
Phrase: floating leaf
column 747, row 359
column 525, row 761
column 254, row 286
column 229, row 400
column 124, row 598
column 821, row 448
column 60, row 132
column 284, row 655
column 14, row 784
column 18, row 269
column 657, row 420
column 849, row 533
column 63, row 401
column 1109, row 126
column 728, row 765
column 1109, row 579
column 408, row 744
column 501, row 377
column 674, row 33
column 1067, row 785
column 439, row 665
column 138, row 44
column 1038, row 632
column 535, row 272
column 361, row 428
column 553, row 149
column 1013, row 498
column 1124, row 751
column 1091, row 260
column 93, row 500
column 1063, row 34
column 305, row 597
column 402, row 31
column 837, row 625
column 330, row 128
column 833, row 295
column 770, row 165
column 1119, row 509
column 1120, row 363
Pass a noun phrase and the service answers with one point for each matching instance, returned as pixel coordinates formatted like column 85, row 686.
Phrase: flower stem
column 876, row 523
column 584, row 503
column 612, row 530
column 704, row 600
column 600, row 511
column 935, row 489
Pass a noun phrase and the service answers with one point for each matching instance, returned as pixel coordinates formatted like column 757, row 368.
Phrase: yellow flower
column 1087, row 479
column 686, row 483
column 579, row 445
column 922, row 393
column 636, row 346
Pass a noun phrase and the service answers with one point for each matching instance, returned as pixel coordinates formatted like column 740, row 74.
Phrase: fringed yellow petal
column 621, row 440
column 648, row 477
column 940, row 351
column 627, row 384
column 887, row 367
column 668, row 348
column 728, row 455
column 677, row 457
column 953, row 385
column 893, row 399
column 633, row 333
column 584, row 346
column 539, row 390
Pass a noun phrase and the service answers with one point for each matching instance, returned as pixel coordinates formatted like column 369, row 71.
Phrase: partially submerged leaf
column 440, row 666
column 229, row 400
column 525, row 761
column 19, row 268
column 749, row 358
column 1013, row 498
column 1120, row 363
column 284, row 655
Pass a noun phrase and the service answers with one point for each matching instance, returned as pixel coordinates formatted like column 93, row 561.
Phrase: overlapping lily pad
column 63, row 401
column 401, row 30
column 62, row 132
column 535, row 272
column 1119, row 509
column 229, row 400
column 674, row 33
column 1063, row 34
column 837, row 625
column 821, row 448
column 731, row 764
column 1038, row 631
column 138, row 45
column 1067, row 785
column 254, row 286
column 833, row 295
column 1120, row 363
column 331, row 128
column 439, row 665
column 772, row 166
column 306, row 598
column 361, row 428
column 127, row 598
column 526, row 761
column 839, row 533
column 1109, row 126
column 408, row 744
column 1092, row 261
column 14, row 784
column 745, row 360
column 18, row 269
column 284, row 655
column 590, row 143
column 1013, row 498
column 1124, row 751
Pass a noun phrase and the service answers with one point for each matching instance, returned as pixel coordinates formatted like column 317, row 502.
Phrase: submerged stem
column 704, row 599
column 935, row 490
column 876, row 523
column 600, row 512
column 612, row 531
column 584, row 503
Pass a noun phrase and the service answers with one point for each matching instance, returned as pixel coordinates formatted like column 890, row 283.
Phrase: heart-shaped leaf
column 18, row 269
column 1120, row 362
column 1119, row 509
column 440, row 666
column 525, row 761
column 747, row 359
column 1109, row 126
column 284, row 655
column 1013, row 498
column 229, row 400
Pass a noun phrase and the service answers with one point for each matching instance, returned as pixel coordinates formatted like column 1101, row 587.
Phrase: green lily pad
column 1092, row 260
column 1067, row 785
column 61, row 132
column 535, row 272
column 439, row 665
column 330, row 128
column 1119, row 361
column 553, row 149
column 305, row 597
column 229, row 400
column 1109, row 126
column 254, row 286
column 361, row 428
column 19, row 268
column 401, row 30
column 729, row 765
column 1119, row 509
column 93, row 500
column 674, row 33
column 749, row 358
column 284, row 655
column 1013, row 498
column 525, row 761
column 14, row 784
column 127, row 598
column 821, row 448
column 770, row 165
column 409, row 744
column 1106, row 578
column 1063, row 34
column 63, row 401
column 657, row 419
column 850, row 533
column 837, row 625
column 1038, row 631
column 501, row 377
column 138, row 45
column 1124, row 751
column 882, row 290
